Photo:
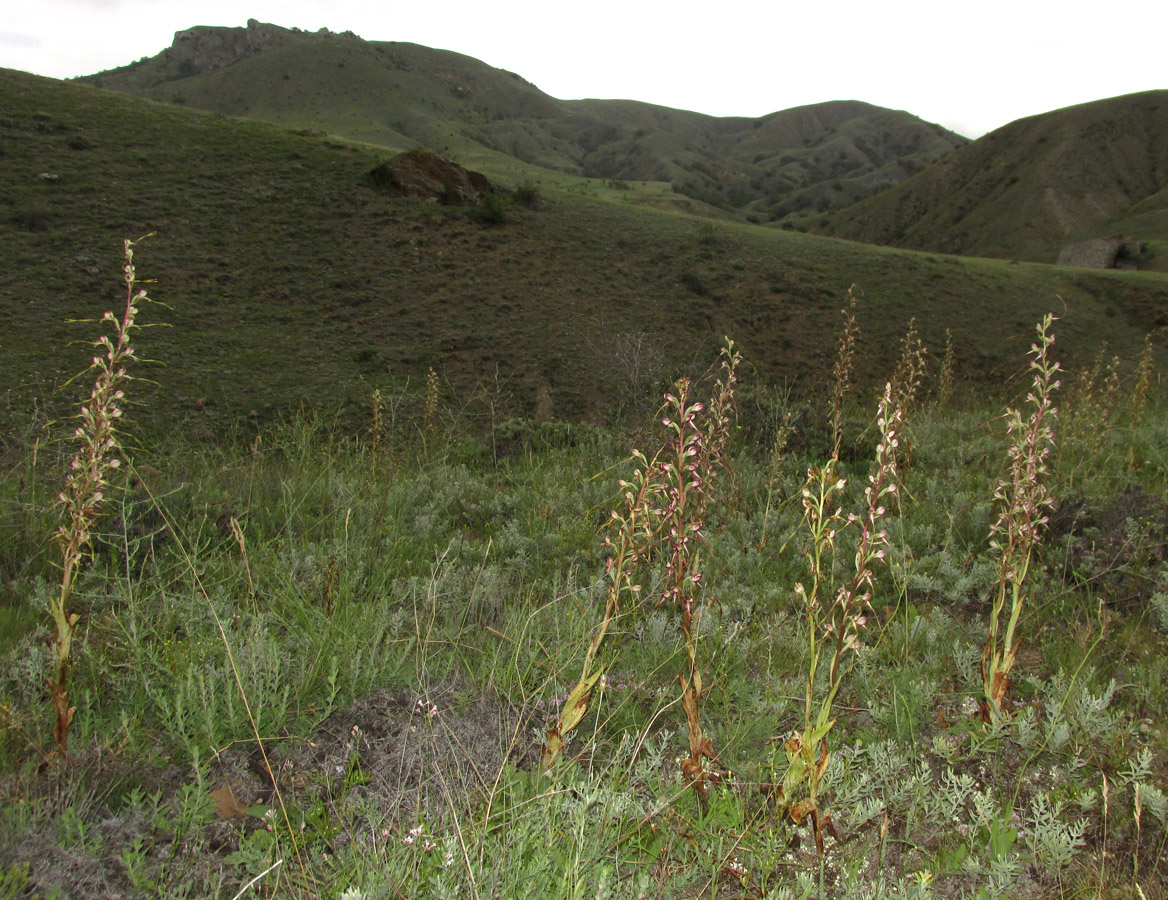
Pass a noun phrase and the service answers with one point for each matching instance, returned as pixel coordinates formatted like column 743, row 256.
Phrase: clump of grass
column 34, row 217
column 88, row 480
column 1022, row 499
column 491, row 209
column 527, row 194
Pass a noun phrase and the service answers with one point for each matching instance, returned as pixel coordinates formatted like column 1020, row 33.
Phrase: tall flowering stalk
column 695, row 457
column 842, row 370
column 847, row 613
column 681, row 493
column 430, row 407
column 665, row 506
column 1093, row 399
column 907, row 380
column 910, row 369
column 87, row 479
column 1022, row 499
column 834, row 625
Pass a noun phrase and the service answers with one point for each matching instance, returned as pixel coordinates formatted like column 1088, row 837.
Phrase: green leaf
column 822, row 727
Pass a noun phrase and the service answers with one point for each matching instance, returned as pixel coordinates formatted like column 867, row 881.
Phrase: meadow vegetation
column 739, row 651
column 460, row 555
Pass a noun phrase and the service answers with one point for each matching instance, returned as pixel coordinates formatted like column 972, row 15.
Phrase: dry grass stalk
column 241, row 542
column 430, row 409
column 946, row 380
column 1022, row 499
column 87, row 481
column 376, row 429
column 1142, row 382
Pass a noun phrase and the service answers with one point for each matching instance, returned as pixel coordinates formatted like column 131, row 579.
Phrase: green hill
column 291, row 279
column 1034, row 186
column 396, row 95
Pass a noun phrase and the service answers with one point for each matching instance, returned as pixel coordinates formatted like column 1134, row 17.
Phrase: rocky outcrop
column 202, row 48
column 1102, row 253
column 420, row 173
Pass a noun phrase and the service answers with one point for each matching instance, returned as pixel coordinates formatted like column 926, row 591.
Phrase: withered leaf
column 227, row 804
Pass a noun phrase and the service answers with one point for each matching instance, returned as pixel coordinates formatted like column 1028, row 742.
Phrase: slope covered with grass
column 1033, row 186
column 291, row 280
column 324, row 661
column 397, row 94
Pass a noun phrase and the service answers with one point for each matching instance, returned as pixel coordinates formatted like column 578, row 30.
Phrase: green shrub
column 527, row 194
column 491, row 210
column 694, row 283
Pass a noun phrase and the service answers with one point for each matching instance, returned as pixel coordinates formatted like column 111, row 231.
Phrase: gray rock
column 1102, row 253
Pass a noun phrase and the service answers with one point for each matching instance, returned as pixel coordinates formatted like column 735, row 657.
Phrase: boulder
column 420, row 173
column 1102, row 253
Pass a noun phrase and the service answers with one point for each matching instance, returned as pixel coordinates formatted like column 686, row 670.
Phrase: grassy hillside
column 291, row 280
column 396, row 94
column 1033, row 186
column 326, row 661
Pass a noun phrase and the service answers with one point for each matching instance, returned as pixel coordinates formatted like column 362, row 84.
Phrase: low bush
column 491, row 210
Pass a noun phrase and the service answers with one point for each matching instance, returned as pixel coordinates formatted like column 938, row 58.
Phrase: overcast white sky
column 969, row 66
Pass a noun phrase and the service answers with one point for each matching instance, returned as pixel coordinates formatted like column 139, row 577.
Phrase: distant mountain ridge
column 788, row 164
column 1029, row 188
